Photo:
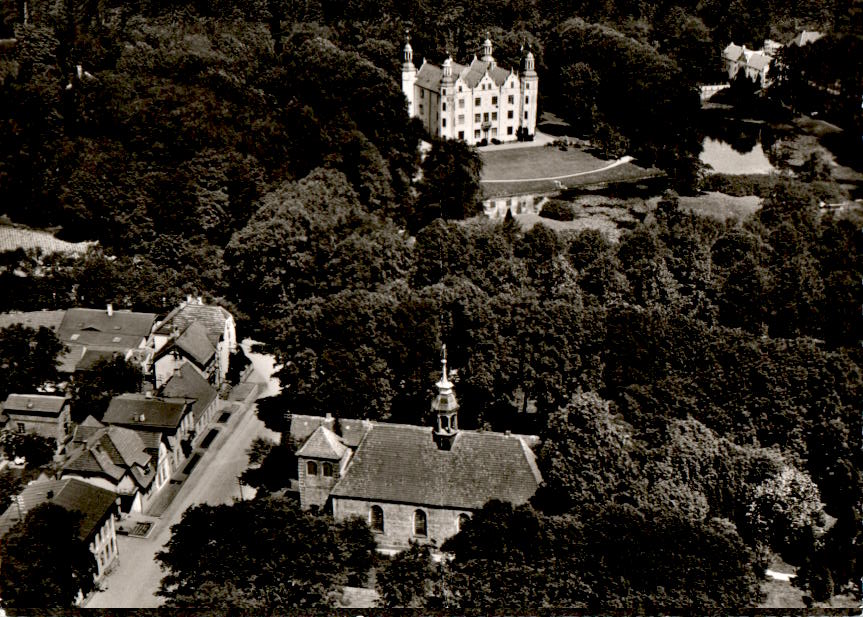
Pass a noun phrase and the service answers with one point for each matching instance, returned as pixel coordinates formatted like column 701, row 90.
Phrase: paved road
column 134, row 582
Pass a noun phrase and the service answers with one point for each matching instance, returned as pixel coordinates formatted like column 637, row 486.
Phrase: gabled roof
column 429, row 75
column 323, row 444
column 351, row 431
column 137, row 411
column 758, row 61
column 732, row 52
column 35, row 403
column 189, row 384
column 194, row 343
column 97, row 327
column 113, row 451
column 212, row 317
column 86, row 429
column 402, row 463
column 33, row 319
column 91, row 356
column 92, row 502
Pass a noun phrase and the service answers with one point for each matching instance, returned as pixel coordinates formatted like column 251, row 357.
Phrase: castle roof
column 429, row 75
column 402, row 463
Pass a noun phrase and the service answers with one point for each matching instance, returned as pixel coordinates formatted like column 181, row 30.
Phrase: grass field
column 721, row 206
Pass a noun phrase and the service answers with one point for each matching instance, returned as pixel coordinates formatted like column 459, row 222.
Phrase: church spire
column 445, row 407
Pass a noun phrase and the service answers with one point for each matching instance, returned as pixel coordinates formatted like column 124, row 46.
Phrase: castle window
column 509, row 130
column 420, row 523
column 485, row 117
column 459, row 88
column 527, row 100
column 476, row 101
column 476, row 134
column 510, row 99
column 443, row 91
column 443, row 106
column 494, row 132
column 509, row 114
column 494, row 115
column 494, row 100
column 376, row 519
column 461, row 134
column 443, row 123
column 444, row 422
column 462, row 521
column 525, row 115
column 527, row 86
column 476, row 117
column 328, row 470
column 460, row 119
column 311, row 468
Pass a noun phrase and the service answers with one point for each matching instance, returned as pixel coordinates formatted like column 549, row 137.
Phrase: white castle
column 474, row 103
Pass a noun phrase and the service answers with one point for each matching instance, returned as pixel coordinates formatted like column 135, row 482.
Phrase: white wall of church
column 442, row 523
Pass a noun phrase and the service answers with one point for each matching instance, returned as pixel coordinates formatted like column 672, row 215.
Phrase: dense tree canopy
column 28, row 359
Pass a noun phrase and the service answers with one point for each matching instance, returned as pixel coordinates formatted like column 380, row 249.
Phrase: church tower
column 445, row 407
column 409, row 74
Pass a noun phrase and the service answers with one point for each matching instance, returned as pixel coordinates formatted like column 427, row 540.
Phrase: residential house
column 95, row 334
column 43, row 414
column 191, row 346
column 187, row 383
column 114, row 458
column 754, row 63
column 97, row 506
column 476, row 102
column 411, row 483
column 217, row 321
column 164, row 425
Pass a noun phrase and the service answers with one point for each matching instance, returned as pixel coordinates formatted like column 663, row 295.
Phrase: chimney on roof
column 508, row 433
column 188, row 298
column 141, row 418
column 110, row 309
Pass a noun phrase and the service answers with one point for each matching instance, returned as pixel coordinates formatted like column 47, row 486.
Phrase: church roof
column 352, row 431
column 323, row 444
column 402, row 463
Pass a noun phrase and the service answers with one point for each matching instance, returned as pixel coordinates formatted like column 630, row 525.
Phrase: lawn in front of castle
column 533, row 169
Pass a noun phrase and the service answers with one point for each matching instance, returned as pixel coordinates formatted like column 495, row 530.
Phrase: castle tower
column 486, row 50
column 529, row 95
column 445, row 407
column 409, row 74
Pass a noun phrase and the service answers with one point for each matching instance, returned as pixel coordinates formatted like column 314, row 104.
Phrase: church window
column 462, row 521
column 311, row 468
column 420, row 523
column 376, row 517
column 327, row 470
column 477, row 101
column 494, row 100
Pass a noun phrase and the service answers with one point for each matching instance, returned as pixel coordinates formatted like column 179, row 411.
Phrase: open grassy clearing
column 719, row 205
column 537, row 162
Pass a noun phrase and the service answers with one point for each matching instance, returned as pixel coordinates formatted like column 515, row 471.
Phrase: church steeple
column 445, row 407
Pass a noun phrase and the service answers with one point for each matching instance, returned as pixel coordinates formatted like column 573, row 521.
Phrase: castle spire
column 445, row 406
column 486, row 49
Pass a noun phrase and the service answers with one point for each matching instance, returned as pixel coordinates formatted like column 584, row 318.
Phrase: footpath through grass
column 524, row 168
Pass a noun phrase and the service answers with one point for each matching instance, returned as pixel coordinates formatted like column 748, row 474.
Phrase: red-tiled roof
column 401, row 463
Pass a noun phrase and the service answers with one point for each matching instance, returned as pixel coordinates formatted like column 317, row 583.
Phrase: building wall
column 204, row 420
column 46, row 426
column 104, row 548
column 315, row 490
column 442, row 523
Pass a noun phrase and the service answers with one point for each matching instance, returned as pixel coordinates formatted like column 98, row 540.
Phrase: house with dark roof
column 164, row 424
column 43, row 414
column 116, row 459
column 219, row 324
column 187, row 383
column 190, row 346
column 97, row 506
column 411, row 483
column 476, row 102
column 95, row 334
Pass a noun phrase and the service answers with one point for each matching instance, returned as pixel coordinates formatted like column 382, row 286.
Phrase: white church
column 474, row 103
